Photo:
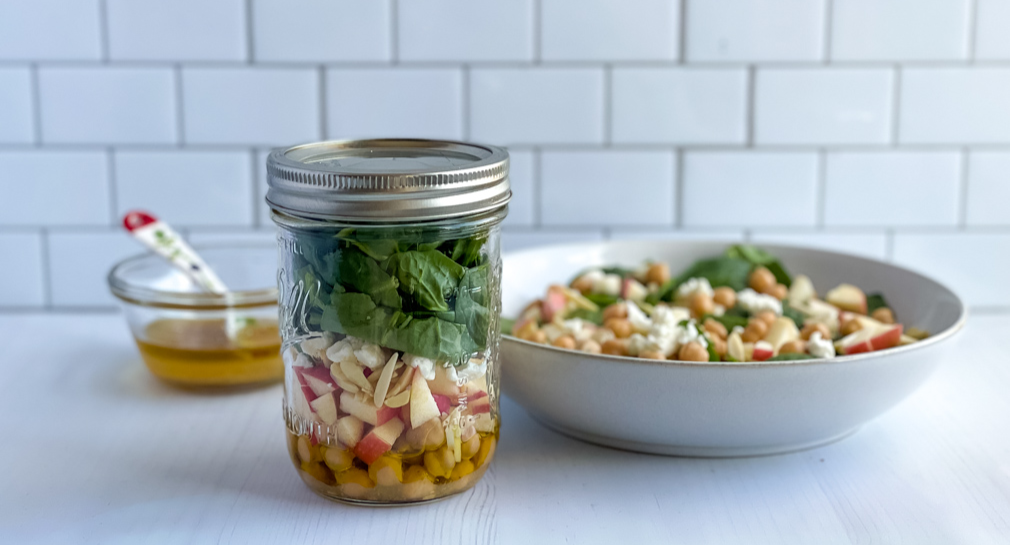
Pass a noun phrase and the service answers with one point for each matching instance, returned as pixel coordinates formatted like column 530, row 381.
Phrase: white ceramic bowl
column 719, row 409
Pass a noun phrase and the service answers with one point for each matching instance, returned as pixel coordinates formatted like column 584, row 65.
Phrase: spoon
column 163, row 240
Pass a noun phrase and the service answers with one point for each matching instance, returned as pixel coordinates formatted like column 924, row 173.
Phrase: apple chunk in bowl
column 719, row 408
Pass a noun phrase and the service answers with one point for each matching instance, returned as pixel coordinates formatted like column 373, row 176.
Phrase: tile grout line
column 963, row 189
column 682, row 37
column 250, row 44
column 829, row 16
column 896, row 106
column 103, row 29
column 113, row 184
column 36, row 105
column 822, row 185
column 47, row 277
column 608, row 105
column 256, row 201
column 751, row 98
column 464, row 101
column 180, row 115
column 537, row 31
column 537, row 188
column 678, row 188
column 394, row 31
column 324, row 132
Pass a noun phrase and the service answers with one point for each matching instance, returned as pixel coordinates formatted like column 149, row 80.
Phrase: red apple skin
column 885, row 338
column 553, row 303
column 443, row 402
column 762, row 351
column 480, row 404
column 306, row 391
column 385, row 414
column 405, row 416
column 378, row 441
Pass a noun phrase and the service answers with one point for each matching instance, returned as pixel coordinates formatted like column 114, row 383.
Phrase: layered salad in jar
column 391, row 389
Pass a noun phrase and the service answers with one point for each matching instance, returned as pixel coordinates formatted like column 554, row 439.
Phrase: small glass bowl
column 191, row 338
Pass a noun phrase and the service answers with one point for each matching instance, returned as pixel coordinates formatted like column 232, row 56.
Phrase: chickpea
column 616, row 310
column 620, row 327
column 538, row 337
column 651, row 355
column 725, row 296
column 582, row 284
column 755, row 331
column 615, row 347
column 590, row 347
column 701, row 304
column 766, row 316
column 762, row 280
column 693, row 351
column 658, row 273
column 720, row 346
column 883, row 315
column 851, row 326
column 565, row 341
column 779, row 291
column 715, row 328
column 809, row 329
column 793, row 347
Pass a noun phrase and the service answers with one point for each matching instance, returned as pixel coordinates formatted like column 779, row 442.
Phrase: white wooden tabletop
column 94, row 450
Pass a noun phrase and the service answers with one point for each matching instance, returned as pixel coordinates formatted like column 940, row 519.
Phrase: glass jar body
column 390, row 344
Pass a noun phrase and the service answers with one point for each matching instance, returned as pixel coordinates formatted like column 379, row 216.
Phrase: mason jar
column 390, row 301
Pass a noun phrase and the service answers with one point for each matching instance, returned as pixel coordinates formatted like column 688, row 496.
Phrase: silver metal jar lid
column 389, row 180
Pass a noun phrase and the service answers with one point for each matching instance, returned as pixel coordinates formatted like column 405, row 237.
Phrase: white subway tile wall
column 875, row 127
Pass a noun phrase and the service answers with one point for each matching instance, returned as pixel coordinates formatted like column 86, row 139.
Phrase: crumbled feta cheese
column 576, row 327
column 426, row 366
column 819, row 346
column 610, row 284
column 474, row 368
column 638, row 319
column 371, row 356
column 670, row 316
column 315, row 347
column 695, row 285
column 718, row 310
column 638, row 343
column 691, row 333
column 755, row 302
column 340, row 350
column 738, row 329
column 553, row 331
column 602, row 335
column 593, row 275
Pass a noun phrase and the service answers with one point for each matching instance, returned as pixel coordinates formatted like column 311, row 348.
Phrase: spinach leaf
column 433, row 338
column 594, row 316
column 506, row 325
column 466, row 251
column 362, row 273
column 719, row 271
column 470, row 308
column 791, row 357
column 875, row 301
column 729, row 320
column 377, row 249
column 428, row 275
column 796, row 316
column 758, row 257
column 619, row 271
column 602, row 300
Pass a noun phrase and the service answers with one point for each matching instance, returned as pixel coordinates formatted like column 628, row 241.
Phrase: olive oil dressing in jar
column 390, row 303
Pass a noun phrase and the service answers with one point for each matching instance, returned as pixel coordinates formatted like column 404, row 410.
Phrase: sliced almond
column 402, row 383
column 342, row 380
column 579, row 300
column 382, row 386
column 356, row 375
column 398, row 400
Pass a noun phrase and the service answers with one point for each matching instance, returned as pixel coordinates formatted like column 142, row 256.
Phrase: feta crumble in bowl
column 674, row 375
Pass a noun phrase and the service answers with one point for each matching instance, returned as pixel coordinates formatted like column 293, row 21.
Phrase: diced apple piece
column 847, row 297
column 443, row 403
column 365, row 410
column 554, row 303
column 479, row 403
column 801, row 291
column 325, row 407
column 906, row 340
column 762, row 351
column 633, row 290
column 524, row 326
column 318, row 379
column 378, row 441
column 422, row 405
column 349, row 430
column 307, row 392
column 868, row 340
column 304, row 449
column 444, row 385
column 781, row 331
